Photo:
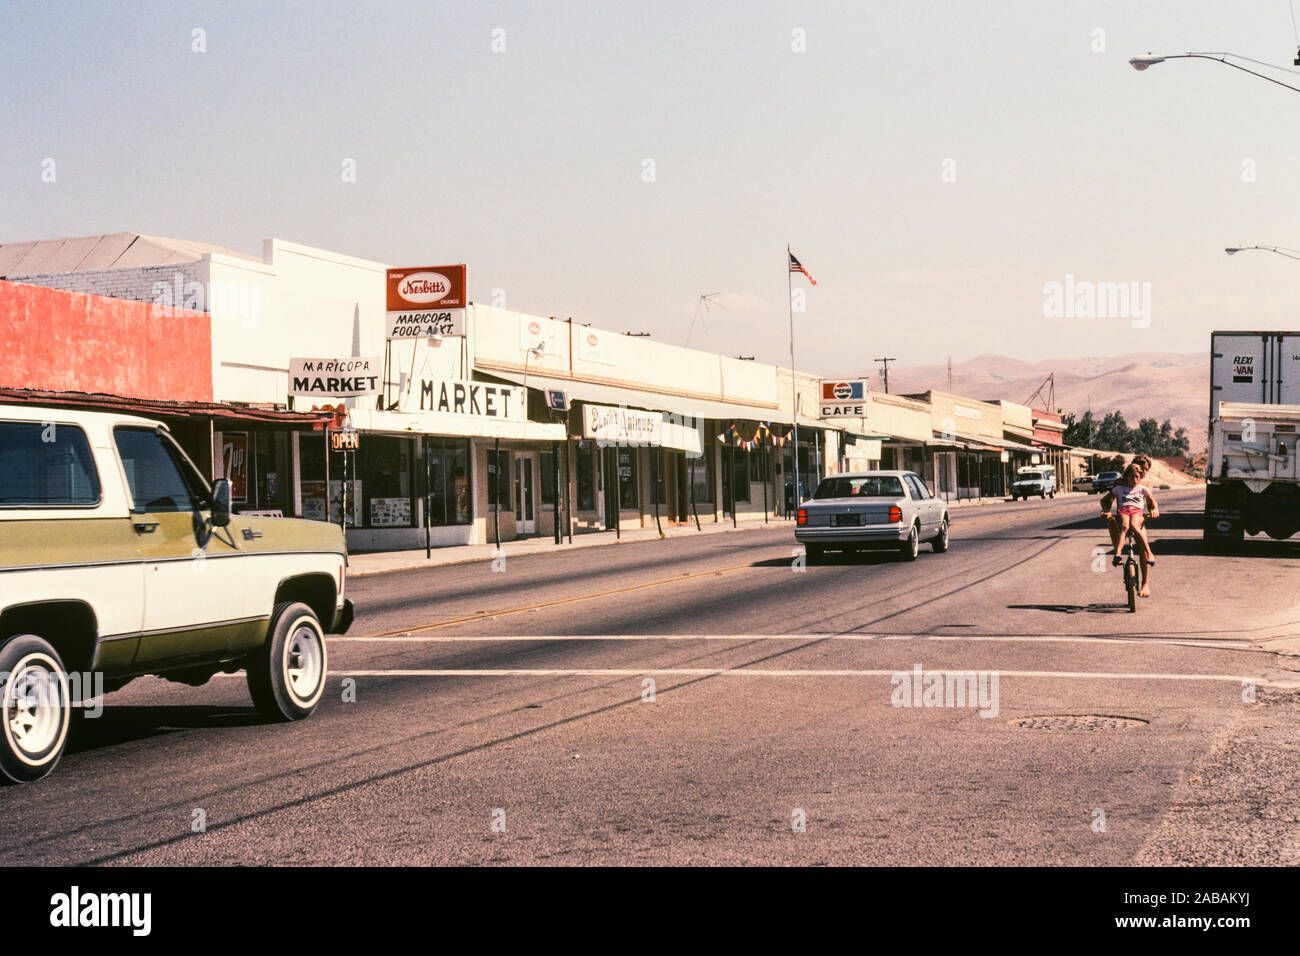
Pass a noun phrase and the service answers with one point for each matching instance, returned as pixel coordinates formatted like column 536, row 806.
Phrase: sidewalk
column 378, row 562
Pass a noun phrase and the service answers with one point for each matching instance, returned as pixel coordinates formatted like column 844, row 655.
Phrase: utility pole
column 949, row 373
column 884, row 367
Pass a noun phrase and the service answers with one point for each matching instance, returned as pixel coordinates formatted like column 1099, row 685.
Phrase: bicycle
column 1132, row 573
column 1132, row 577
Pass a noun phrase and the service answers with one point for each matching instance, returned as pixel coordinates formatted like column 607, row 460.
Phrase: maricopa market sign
column 425, row 301
column 335, row 377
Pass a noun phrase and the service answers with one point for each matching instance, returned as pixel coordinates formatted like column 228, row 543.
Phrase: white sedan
column 872, row 509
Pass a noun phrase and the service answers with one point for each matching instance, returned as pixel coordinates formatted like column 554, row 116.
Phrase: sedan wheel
column 940, row 541
column 912, row 546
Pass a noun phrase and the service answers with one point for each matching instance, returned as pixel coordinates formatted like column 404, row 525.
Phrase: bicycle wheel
column 1131, row 584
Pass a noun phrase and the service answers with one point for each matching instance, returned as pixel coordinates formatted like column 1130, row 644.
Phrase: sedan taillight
column 802, row 516
column 895, row 514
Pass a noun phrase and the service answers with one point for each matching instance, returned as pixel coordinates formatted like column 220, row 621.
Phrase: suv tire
column 36, row 708
column 286, row 675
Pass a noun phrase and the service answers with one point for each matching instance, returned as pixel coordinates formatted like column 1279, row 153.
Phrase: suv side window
column 155, row 473
column 46, row 465
column 919, row 491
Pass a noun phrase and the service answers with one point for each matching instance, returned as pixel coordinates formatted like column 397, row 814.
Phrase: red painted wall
column 70, row 341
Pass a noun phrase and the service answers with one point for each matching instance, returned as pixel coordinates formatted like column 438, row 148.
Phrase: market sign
column 335, row 377
column 460, row 397
column 618, row 425
column 844, row 399
column 425, row 301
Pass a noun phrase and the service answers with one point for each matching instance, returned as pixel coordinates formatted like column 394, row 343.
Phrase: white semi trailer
column 1252, row 482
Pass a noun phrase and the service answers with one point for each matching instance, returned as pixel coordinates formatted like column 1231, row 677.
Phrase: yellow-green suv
column 117, row 560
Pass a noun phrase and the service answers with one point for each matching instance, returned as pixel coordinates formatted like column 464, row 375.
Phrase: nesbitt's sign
column 847, row 399
column 335, row 377
column 425, row 301
column 460, row 397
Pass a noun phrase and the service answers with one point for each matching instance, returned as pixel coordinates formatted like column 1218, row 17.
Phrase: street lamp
column 1233, row 250
column 1141, row 63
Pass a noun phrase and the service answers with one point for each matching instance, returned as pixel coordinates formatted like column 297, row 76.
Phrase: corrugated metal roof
column 159, row 408
column 115, row 250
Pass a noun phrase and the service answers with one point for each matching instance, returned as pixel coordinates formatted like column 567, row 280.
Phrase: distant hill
column 1155, row 385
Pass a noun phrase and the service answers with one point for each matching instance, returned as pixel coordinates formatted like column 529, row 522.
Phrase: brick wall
column 140, row 284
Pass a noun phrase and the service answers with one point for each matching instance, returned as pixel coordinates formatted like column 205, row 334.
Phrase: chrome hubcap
column 304, row 661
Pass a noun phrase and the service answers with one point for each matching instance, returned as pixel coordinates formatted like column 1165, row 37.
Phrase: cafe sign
column 425, row 302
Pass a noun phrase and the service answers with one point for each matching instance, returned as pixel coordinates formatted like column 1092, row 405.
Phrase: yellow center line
column 485, row 615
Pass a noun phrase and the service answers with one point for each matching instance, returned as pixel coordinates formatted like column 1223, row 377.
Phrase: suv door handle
column 145, row 527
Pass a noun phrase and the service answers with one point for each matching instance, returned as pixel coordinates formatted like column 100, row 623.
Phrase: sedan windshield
column 872, row 486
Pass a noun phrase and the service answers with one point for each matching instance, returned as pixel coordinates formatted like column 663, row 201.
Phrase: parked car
column 117, row 560
column 872, row 509
column 1084, row 483
column 1105, row 481
column 1037, row 480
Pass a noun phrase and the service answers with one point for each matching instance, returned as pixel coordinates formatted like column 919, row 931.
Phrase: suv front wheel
column 286, row 675
column 36, row 708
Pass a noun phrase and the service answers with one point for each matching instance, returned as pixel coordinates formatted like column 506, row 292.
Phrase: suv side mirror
column 221, row 503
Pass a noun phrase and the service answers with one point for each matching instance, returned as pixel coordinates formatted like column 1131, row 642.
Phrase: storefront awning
column 455, row 426
column 221, row 413
column 579, row 391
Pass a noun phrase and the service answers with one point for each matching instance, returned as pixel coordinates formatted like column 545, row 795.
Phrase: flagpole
column 794, row 382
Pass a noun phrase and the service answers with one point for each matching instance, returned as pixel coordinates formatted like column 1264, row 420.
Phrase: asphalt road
column 705, row 701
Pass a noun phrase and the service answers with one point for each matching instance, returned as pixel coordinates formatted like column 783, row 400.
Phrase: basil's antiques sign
column 461, row 397
column 618, row 425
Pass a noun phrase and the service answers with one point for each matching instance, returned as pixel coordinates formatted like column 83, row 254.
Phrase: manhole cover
column 1078, row 722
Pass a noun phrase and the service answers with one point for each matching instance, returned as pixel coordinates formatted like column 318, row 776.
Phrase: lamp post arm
column 1222, row 58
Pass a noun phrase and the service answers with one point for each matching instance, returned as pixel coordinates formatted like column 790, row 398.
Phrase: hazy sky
column 528, row 164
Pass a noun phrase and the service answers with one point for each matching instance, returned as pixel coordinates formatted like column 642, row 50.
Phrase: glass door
column 525, row 515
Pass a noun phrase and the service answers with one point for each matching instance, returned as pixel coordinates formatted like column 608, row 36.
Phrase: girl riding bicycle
column 1131, row 496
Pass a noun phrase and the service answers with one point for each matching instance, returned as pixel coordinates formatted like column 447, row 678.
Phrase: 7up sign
column 847, row 399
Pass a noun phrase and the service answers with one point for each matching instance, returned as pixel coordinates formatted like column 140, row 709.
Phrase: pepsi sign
column 844, row 399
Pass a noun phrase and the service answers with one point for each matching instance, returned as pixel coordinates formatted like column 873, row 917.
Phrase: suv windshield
column 872, row 486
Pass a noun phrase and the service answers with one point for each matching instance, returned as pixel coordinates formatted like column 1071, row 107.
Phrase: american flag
column 797, row 266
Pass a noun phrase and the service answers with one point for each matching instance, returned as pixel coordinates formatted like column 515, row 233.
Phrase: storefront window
column 546, row 479
column 311, row 467
column 447, row 474
column 271, row 471
column 701, row 472
column 383, row 474
column 586, row 471
column 628, row 499
column 740, row 474
column 498, row 480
